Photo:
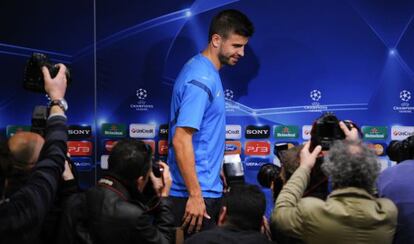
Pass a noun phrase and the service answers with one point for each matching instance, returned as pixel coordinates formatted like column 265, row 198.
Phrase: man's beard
column 225, row 60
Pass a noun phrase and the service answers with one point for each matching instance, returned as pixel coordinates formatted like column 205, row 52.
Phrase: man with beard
column 197, row 123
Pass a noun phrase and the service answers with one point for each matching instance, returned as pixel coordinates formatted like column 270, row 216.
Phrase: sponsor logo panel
column 232, row 147
column 162, row 147
column 254, row 163
column 151, row 143
column 379, row 148
column 401, row 132
column 374, row 132
column 104, row 161
column 109, row 145
column 80, row 148
column 83, row 164
column 142, row 130
column 258, row 148
column 286, row 131
column 113, row 130
column 233, row 132
column 163, row 131
column 13, row 129
column 257, row 132
column 306, row 132
column 79, row 131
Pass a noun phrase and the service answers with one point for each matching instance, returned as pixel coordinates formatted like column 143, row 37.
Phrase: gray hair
column 351, row 164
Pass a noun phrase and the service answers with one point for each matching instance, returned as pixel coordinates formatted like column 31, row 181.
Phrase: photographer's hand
column 55, row 87
column 350, row 134
column 308, row 159
column 162, row 184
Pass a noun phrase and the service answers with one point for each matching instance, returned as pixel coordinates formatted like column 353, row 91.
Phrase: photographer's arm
column 162, row 230
column 286, row 214
column 29, row 205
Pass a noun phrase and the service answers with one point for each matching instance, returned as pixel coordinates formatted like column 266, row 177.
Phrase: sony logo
column 257, row 132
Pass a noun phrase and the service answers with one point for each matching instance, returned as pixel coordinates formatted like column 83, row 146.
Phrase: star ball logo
column 316, row 95
column 141, row 105
column 228, row 94
column 141, row 94
column 405, row 97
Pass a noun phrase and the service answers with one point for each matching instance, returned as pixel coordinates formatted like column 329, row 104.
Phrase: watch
column 59, row 102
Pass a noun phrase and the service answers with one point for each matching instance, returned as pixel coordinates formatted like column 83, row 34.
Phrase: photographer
column 117, row 209
column 351, row 214
column 396, row 183
column 240, row 220
column 23, row 212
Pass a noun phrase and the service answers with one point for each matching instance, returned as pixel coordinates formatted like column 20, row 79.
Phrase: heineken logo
column 286, row 131
column 374, row 132
column 13, row 129
column 113, row 130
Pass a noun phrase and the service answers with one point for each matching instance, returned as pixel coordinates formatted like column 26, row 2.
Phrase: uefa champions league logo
column 228, row 94
column 315, row 95
column 404, row 107
column 141, row 94
column 405, row 96
column 141, row 104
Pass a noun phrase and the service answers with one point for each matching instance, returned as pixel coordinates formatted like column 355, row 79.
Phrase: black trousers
column 212, row 207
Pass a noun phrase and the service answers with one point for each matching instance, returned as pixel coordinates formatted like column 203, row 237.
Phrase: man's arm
column 286, row 215
column 195, row 209
column 29, row 205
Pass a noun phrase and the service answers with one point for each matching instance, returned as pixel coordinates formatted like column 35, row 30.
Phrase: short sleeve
column 195, row 100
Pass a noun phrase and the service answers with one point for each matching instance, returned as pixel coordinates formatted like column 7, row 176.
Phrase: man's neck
column 212, row 56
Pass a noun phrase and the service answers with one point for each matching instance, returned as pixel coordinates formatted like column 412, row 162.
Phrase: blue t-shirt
column 397, row 184
column 198, row 102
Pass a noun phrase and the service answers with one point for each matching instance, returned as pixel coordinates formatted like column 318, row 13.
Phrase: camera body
column 325, row 130
column 401, row 150
column 33, row 76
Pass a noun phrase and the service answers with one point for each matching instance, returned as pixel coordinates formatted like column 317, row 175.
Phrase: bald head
column 25, row 148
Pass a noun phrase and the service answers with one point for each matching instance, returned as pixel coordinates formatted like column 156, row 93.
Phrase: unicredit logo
column 233, row 132
column 401, row 132
column 79, row 132
column 142, row 130
column 306, row 132
column 257, row 132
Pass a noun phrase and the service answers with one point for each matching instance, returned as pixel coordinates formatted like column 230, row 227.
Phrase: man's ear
column 216, row 40
column 222, row 216
column 141, row 183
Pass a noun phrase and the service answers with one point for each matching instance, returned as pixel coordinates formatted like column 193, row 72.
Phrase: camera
column 325, row 130
column 233, row 169
column 33, row 76
column 401, row 150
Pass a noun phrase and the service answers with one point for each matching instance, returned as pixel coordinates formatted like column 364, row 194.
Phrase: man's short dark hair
column 245, row 205
column 230, row 21
column 130, row 159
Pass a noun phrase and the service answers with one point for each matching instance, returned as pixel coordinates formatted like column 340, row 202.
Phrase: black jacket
column 106, row 213
column 228, row 235
column 22, row 215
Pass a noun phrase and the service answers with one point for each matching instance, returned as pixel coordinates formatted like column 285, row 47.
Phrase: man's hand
column 55, row 87
column 265, row 229
column 195, row 211
column 163, row 184
column 307, row 159
column 350, row 134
